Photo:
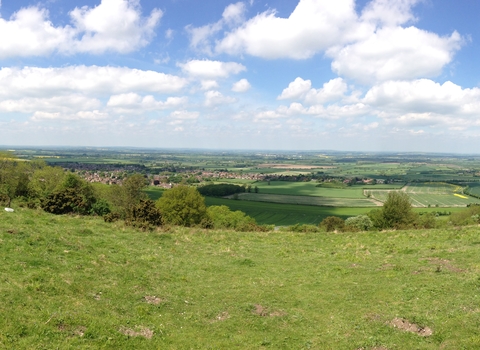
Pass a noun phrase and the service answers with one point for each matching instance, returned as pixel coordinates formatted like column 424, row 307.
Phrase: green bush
column 183, row 206
column 332, row 223
column 301, row 228
column 144, row 215
column 100, row 208
column 64, row 202
column 223, row 218
column 111, row 217
column 360, row 222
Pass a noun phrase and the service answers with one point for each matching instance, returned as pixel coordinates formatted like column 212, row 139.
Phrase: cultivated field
column 308, row 189
column 308, row 200
column 80, row 283
column 430, row 194
column 286, row 214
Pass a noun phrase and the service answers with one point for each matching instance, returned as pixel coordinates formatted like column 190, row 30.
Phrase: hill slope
column 73, row 282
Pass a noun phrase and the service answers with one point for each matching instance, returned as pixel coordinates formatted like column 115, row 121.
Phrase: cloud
column 209, row 84
column 65, row 104
column 333, row 90
column 89, row 80
column 133, row 102
column 200, row 36
column 313, row 26
column 214, row 98
column 397, row 98
column 207, row 69
column 296, row 89
column 395, row 53
column 78, row 116
column 378, row 44
column 241, row 86
column 113, row 25
column 389, row 12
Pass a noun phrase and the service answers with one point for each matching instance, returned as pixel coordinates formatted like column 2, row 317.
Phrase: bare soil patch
column 153, row 299
column 223, row 316
column 138, row 332
column 263, row 311
column 407, row 326
column 444, row 264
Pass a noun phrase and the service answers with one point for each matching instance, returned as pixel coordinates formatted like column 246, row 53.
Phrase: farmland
column 344, row 181
column 430, row 194
column 308, row 200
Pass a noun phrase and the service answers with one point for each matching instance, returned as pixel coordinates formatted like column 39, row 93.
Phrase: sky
column 346, row 75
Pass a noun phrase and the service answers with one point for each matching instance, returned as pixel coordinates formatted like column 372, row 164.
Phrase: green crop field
column 308, row 200
column 79, row 283
column 285, row 214
column 308, row 189
column 474, row 188
column 431, row 194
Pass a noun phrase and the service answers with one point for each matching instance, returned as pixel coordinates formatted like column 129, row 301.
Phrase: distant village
column 115, row 174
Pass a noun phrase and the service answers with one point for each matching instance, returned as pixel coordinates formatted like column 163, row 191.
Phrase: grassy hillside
column 72, row 282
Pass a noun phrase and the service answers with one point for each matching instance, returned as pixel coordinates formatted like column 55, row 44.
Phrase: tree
column 256, row 189
column 13, row 178
column 396, row 212
column 45, row 180
column 183, row 206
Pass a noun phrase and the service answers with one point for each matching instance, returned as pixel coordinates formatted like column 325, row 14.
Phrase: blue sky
column 380, row 75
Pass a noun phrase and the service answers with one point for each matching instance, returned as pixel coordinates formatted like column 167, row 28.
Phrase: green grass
column 79, row 283
column 285, row 214
column 308, row 200
column 308, row 189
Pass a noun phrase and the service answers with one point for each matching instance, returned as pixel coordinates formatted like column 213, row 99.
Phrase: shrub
column 64, row 202
column 360, row 222
column 223, row 218
column 332, row 223
column 396, row 212
column 100, row 208
column 111, row 217
column 301, row 228
column 144, row 215
column 183, row 206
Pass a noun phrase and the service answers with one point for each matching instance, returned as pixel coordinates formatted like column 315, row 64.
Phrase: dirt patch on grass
column 444, row 264
column 153, row 300
column 264, row 312
column 138, row 332
column 223, row 316
column 407, row 326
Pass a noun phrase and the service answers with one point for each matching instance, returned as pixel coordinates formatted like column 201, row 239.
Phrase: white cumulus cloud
column 113, row 25
column 90, row 80
column 296, row 89
column 241, row 86
column 207, row 69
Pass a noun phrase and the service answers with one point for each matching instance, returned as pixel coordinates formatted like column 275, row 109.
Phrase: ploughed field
column 77, row 282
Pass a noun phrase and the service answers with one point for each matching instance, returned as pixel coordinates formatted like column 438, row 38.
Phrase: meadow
column 79, row 283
